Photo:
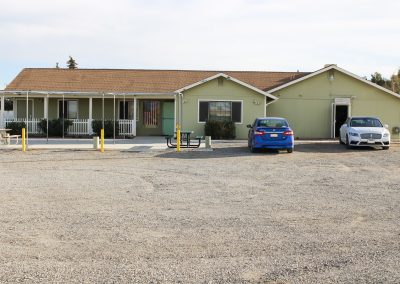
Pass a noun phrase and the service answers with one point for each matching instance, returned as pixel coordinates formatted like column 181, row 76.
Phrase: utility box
column 96, row 143
column 207, row 141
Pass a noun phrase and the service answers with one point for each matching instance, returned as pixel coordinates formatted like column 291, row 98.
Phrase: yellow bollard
column 23, row 140
column 102, row 140
column 178, row 138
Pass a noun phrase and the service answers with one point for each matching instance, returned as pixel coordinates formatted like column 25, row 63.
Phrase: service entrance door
column 340, row 112
column 341, row 116
column 168, row 118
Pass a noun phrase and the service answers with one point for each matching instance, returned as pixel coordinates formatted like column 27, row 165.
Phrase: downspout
column 175, row 110
column 180, row 109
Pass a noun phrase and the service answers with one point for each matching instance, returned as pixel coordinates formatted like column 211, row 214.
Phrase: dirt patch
column 322, row 214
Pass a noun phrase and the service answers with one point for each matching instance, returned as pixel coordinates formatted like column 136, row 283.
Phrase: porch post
column 63, row 115
column 114, row 120
column 46, row 106
column 90, row 129
column 2, row 124
column 134, row 117
column 46, row 115
column 27, row 122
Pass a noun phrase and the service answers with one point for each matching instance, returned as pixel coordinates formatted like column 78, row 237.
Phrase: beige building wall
column 253, row 104
column 308, row 104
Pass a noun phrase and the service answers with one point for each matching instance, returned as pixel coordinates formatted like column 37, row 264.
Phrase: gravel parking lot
column 322, row 214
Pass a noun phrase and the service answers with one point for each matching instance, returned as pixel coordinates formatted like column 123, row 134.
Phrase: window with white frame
column 220, row 111
column 70, row 109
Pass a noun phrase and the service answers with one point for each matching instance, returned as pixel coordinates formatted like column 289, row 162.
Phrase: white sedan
column 364, row 131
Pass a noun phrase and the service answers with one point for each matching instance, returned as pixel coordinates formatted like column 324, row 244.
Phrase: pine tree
column 71, row 63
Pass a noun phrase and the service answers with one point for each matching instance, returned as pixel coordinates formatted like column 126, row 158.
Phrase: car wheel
column 348, row 146
column 385, row 147
column 340, row 140
column 248, row 143
column 289, row 150
column 252, row 149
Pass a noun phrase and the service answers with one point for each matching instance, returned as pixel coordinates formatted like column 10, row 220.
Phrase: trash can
column 96, row 143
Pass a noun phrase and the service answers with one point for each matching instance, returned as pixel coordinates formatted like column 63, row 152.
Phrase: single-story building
column 152, row 102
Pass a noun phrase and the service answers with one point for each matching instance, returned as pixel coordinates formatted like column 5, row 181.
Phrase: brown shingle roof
column 134, row 81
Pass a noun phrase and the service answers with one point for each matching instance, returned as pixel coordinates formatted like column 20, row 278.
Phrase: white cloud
column 362, row 36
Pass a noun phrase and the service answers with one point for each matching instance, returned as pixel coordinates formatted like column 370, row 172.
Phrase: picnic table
column 186, row 140
column 5, row 136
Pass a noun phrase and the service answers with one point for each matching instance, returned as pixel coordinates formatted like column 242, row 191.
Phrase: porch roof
column 135, row 80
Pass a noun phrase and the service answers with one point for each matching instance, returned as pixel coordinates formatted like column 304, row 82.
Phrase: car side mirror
column 386, row 126
column 249, row 126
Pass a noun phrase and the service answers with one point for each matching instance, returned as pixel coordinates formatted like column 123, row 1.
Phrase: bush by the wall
column 108, row 128
column 16, row 127
column 55, row 126
column 229, row 130
column 220, row 129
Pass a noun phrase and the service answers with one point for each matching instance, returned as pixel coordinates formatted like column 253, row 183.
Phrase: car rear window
column 272, row 122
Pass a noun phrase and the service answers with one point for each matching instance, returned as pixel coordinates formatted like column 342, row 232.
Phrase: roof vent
column 327, row 65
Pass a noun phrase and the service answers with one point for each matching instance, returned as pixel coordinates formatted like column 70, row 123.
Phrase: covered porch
column 133, row 114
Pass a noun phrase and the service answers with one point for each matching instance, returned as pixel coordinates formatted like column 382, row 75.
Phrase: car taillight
column 259, row 132
column 288, row 133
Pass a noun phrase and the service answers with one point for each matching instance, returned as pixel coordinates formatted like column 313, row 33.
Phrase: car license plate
column 371, row 142
column 274, row 135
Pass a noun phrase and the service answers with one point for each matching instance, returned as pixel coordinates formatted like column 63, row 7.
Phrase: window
column 365, row 122
column 151, row 111
column 126, row 110
column 272, row 122
column 70, row 110
column 8, row 104
column 220, row 110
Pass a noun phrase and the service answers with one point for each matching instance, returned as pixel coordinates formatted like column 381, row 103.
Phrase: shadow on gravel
column 330, row 148
column 243, row 151
column 215, row 154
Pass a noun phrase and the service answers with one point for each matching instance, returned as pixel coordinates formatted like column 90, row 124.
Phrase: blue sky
column 282, row 35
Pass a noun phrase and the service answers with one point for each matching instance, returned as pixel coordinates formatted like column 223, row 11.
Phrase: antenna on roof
column 57, row 65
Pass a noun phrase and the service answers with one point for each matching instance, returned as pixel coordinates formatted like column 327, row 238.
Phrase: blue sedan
column 270, row 133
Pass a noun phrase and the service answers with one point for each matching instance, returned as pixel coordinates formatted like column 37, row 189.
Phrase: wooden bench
column 7, row 139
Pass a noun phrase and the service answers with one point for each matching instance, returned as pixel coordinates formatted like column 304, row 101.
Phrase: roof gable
column 333, row 67
column 228, row 78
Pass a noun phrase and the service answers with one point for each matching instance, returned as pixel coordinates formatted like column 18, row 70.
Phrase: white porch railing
column 79, row 126
column 32, row 125
column 127, row 127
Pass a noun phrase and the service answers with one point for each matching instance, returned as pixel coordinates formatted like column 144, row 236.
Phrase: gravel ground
column 323, row 214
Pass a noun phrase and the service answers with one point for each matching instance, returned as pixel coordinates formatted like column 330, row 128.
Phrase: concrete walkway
column 137, row 144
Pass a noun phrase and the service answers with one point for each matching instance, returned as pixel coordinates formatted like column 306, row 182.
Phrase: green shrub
column 229, row 130
column 213, row 128
column 108, row 128
column 16, row 127
column 220, row 129
column 55, row 126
